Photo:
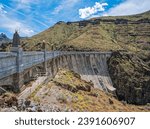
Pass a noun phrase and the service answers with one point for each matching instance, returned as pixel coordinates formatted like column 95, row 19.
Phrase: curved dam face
column 91, row 67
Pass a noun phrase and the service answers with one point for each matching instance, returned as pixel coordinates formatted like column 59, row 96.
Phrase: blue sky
column 30, row 17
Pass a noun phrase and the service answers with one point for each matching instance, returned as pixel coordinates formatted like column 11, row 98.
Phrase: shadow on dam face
column 91, row 67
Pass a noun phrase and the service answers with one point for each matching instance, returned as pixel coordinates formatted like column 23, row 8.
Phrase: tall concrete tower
column 16, row 40
column 16, row 48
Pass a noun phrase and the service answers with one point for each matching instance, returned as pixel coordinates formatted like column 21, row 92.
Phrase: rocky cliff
column 131, row 77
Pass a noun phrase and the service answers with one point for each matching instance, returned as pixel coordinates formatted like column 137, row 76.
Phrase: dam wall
column 91, row 66
column 17, row 69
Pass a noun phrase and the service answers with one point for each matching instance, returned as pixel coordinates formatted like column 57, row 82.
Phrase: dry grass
column 101, row 37
column 94, row 100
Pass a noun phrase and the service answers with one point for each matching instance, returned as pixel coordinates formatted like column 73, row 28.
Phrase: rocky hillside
column 3, row 38
column 131, row 77
column 68, row 92
column 130, row 33
column 4, row 42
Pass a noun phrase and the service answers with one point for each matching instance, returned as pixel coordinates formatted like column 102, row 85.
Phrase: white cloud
column 16, row 11
column 16, row 19
column 27, row 1
column 65, row 4
column 129, row 7
column 2, row 11
column 58, row 9
column 16, row 25
column 89, row 11
column 12, row 24
column 24, row 5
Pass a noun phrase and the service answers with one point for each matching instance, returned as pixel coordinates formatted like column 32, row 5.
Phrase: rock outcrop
column 5, row 42
column 64, row 80
column 131, row 78
column 8, row 100
column 4, row 38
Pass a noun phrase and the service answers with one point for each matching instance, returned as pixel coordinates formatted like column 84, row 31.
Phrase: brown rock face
column 64, row 80
column 8, row 100
column 131, row 78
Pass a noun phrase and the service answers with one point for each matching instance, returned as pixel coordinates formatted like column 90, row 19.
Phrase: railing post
column 18, row 77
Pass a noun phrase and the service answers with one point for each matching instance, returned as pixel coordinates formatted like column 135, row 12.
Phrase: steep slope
column 131, row 77
column 95, row 38
column 85, row 99
column 5, row 42
column 55, row 36
column 3, row 38
column 67, row 92
column 131, row 33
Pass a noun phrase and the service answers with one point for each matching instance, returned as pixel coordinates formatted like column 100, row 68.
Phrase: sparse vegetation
column 71, row 81
column 129, row 33
column 81, row 100
column 131, row 77
column 33, row 94
column 62, row 98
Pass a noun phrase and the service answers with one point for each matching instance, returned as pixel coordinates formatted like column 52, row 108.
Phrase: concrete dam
column 18, row 67
column 91, row 67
